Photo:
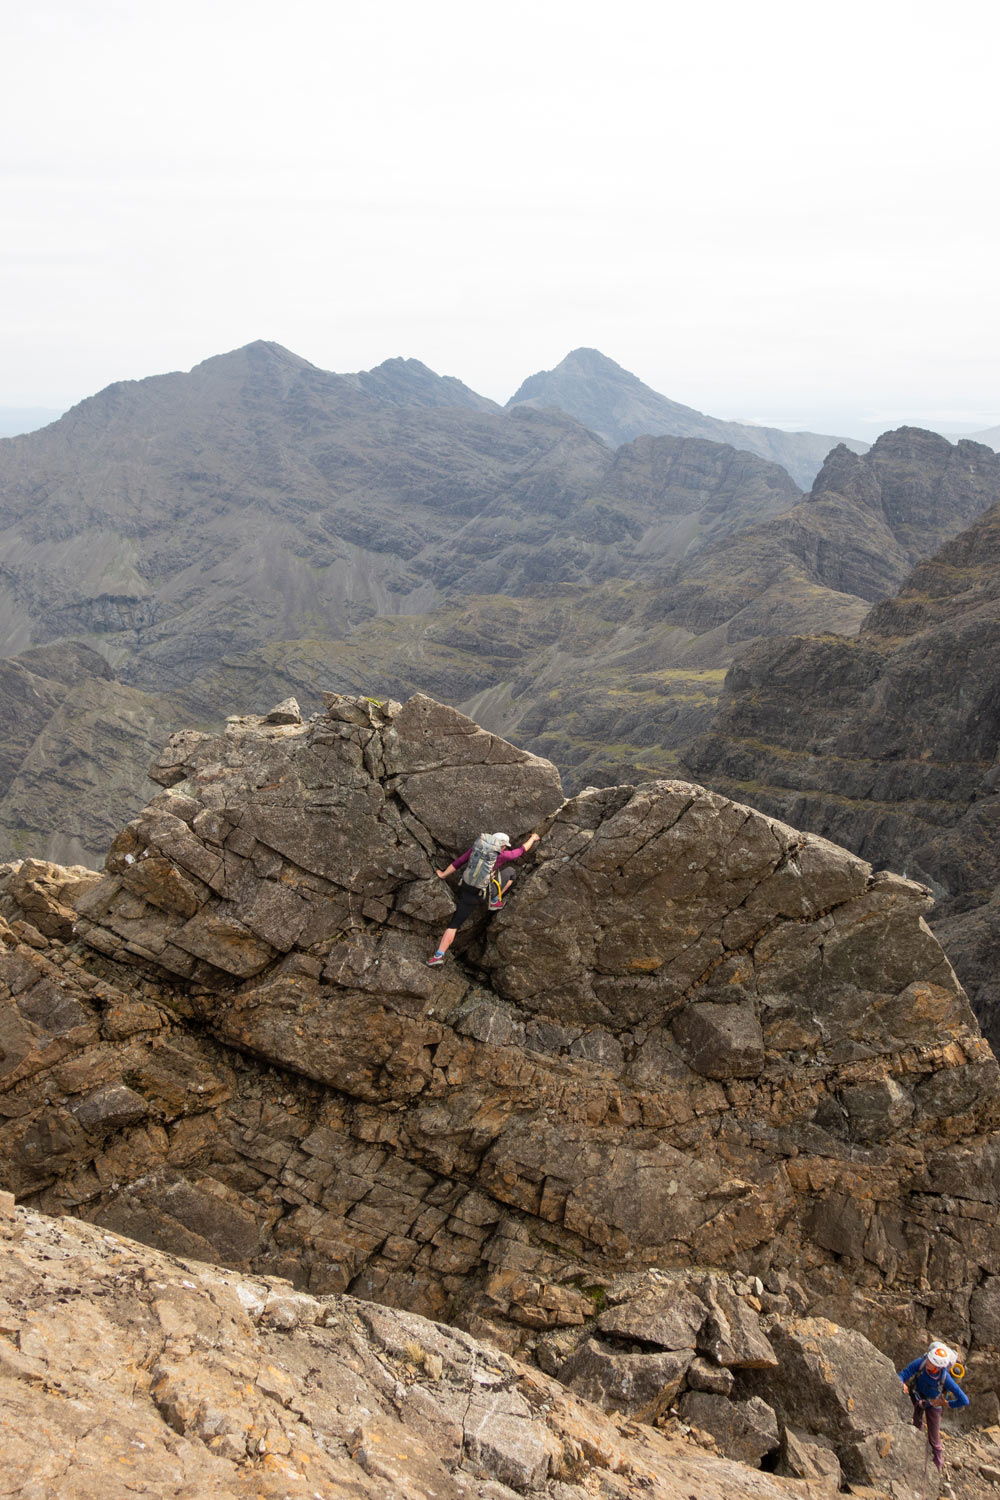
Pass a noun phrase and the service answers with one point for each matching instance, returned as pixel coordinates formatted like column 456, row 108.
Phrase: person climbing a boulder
column 482, row 881
column 930, row 1385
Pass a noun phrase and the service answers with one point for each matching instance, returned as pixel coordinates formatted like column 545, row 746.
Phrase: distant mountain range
column 190, row 545
column 598, row 392
column 619, row 407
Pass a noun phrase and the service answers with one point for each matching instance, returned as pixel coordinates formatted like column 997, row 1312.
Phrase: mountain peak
column 618, row 406
column 593, row 361
column 922, row 486
column 409, row 382
column 405, row 364
column 258, row 354
column 580, row 371
column 911, row 440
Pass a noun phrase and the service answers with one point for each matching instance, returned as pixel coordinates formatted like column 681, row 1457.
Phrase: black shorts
column 470, row 900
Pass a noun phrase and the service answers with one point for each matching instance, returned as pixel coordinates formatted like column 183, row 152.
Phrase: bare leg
column 447, row 938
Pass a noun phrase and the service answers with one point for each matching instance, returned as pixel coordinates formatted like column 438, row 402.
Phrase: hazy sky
column 775, row 211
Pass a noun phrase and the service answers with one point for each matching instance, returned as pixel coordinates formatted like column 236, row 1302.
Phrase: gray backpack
column 483, row 861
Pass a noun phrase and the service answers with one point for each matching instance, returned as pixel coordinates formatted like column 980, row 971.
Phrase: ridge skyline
column 24, row 415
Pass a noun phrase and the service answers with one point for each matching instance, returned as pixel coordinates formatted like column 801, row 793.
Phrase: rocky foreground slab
column 127, row 1372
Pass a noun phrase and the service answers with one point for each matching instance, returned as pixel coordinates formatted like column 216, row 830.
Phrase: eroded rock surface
column 695, row 1037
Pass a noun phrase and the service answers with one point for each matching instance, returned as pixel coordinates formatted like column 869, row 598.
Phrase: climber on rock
column 930, row 1385
column 481, row 881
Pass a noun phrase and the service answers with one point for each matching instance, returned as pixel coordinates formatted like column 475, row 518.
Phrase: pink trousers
column 933, row 1414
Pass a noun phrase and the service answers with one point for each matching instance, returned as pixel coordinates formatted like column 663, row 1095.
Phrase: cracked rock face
column 693, row 1037
column 288, row 837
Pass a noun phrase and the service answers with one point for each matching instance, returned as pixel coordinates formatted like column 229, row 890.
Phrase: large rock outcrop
column 703, row 1099
column 695, row 1036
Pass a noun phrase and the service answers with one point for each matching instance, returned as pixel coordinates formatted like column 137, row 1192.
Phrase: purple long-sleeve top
column 503, row 858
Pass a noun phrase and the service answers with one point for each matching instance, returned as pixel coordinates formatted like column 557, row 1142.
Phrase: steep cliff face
column 921, row 487
column 72, row 740
column 888, row 743
column 694, row 1037
column 853, row 541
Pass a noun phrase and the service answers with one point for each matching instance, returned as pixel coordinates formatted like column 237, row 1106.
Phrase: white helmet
column 940, row 1357
column 502, row 838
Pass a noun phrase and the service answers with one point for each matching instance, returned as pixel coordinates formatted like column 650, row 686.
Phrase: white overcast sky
column 779, row 211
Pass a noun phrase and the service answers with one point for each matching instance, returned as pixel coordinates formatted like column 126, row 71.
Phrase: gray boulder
column 285, row 712
column 640, row 1385
column 458, row 780
column 828, row 1380
column 802, row 1457
column 670, row 1318
column 744, row 1430
column 831, row 1382
column 732, row 1334
column 702, row 1375
column 721, row 1041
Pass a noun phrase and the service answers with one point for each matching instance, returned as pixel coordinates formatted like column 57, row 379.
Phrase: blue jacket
column 928, row 1386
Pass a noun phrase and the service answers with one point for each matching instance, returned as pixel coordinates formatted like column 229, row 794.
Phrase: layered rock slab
column 693, row 1036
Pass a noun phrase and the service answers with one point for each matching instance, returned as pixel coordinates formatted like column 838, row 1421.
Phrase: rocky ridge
column 888, row 742
column 256, row 527
column 146, row 514
column 260, row 526
column 697, row 1048
column 851, row 542
column 125, row 1370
